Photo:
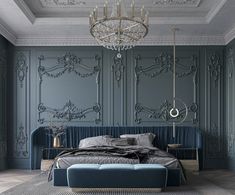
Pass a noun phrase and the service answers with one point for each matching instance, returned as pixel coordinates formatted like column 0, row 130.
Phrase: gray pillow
column 144, row 139
column 94, row 141
column 122, row 141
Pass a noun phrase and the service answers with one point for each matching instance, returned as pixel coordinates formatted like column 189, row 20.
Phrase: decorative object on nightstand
column 187, row 156
column 56, row 130
column 48, row 154
column 174, row 145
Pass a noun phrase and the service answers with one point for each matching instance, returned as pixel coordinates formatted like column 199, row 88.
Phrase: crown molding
column 62, row 21
column 89, row 41
column 176, row 3
column 152, row 20
column 56, row 41
column 25, row 10
column 229, row 36
column 6, row 32
column 177, row 20
column 62, row 3
column 215, row 10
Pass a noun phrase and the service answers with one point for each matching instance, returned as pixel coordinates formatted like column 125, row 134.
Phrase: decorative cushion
column 106, row 140
column 94, row 141
column 144, row 139
column 122, row 141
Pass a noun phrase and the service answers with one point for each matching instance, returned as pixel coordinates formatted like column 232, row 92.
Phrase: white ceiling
column 65, row 22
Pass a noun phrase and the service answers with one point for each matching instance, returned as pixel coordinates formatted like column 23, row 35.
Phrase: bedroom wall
column 230, row 104
column 88, row 86
column 3, row 88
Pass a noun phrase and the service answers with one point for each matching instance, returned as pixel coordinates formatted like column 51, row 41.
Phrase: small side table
column 48, row 156
column 187, row 156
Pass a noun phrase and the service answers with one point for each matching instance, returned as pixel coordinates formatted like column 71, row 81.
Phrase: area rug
column 39, row 186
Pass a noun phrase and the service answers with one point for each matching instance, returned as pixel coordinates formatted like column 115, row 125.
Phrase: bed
column 115, row 155
column 188, row 136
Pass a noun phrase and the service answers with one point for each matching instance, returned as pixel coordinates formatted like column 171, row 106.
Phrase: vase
column 56, row 142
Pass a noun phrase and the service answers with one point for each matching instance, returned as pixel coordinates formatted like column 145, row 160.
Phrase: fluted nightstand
column 187, row 156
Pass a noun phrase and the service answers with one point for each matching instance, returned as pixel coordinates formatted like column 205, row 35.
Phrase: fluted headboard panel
column 187, row 136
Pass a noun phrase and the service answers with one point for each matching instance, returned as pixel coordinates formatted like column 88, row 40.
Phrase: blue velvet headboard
column 187, row 136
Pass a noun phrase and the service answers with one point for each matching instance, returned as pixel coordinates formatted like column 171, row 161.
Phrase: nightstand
column 187, row 156
column 48, row 156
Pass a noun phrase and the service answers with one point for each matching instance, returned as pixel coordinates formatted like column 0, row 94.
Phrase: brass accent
column 56, row 142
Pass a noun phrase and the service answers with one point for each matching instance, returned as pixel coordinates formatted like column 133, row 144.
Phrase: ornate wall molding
column 21, row 142
column 163, row 64
column 3, row 58
column 214, row 67
column 21, row 68
column 22, row 104
column 62, row 3
column 70, row 111
column 213, row 136
column 3, row 149
column 69, row 63
column 3, row 106
column 215, row 143
column 230, row 102
column 118, row 69
column 176, row 3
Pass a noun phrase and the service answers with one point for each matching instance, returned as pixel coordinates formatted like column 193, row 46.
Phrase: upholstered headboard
column 187, row 136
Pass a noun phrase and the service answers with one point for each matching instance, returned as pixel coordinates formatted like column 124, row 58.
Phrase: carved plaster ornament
column 177, row 114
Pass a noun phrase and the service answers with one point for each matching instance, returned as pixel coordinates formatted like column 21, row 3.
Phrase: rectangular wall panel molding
column 3, row 104
column 230, row 104
column 66, row 79
column 117, row 89
column 21, row 104
column 214, row 108
column 153, row 72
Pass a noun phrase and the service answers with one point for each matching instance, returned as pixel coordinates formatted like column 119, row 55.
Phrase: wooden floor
column 219, row 182
column 12, row 178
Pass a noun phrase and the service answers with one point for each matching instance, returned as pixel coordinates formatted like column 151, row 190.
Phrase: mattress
column 65, row 162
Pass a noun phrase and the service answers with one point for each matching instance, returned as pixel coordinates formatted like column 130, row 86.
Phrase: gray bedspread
column 122, row 154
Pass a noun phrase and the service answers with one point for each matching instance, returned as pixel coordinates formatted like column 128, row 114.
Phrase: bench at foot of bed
column 82, row 176
column 90, row 175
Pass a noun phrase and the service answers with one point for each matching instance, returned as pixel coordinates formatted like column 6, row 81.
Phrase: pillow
column 122, row 141
column 94, row 141
column 144, row 139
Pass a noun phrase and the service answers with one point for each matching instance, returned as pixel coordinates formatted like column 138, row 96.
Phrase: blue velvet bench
column 117, row 176
column 60, row 177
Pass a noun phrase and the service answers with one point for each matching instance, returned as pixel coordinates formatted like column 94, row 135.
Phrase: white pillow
column 94, row 141
column 144, row 139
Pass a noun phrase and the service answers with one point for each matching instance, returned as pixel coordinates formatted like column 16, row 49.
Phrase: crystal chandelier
column 117, row 30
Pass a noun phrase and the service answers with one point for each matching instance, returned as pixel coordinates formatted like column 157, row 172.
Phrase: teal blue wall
column 3, row 93
column 230, row 103
column 100, row 90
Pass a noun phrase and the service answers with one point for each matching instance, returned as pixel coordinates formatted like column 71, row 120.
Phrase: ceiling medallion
column 116, row 30
column 176, row 3
column 62, row 3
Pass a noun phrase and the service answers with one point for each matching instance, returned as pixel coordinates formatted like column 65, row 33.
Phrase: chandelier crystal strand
column 118, row 31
